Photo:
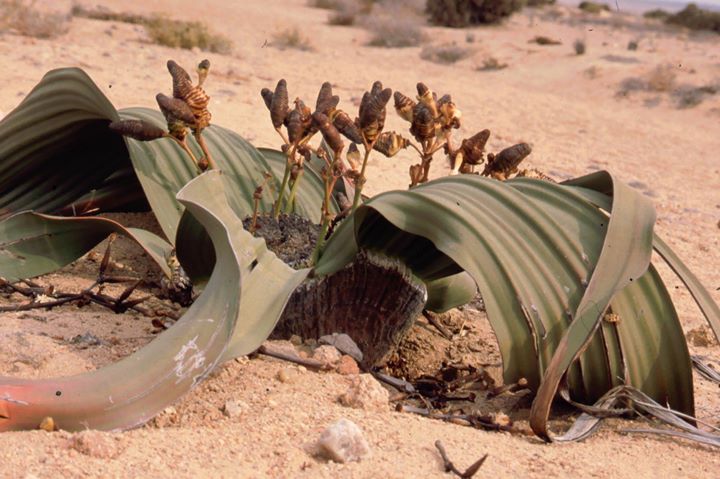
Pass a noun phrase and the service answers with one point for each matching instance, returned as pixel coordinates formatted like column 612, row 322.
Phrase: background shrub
column 461, row 13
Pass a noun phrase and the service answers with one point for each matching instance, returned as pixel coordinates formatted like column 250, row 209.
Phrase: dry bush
column 392, row 32
column 346, row 12
column 26, row 19
column 461, row 13
column 544, row 41
column 661, row 79
column 291, row 38
column 188, row 35
column 593, row 7
column 445, row 54
column 491, row 64
column 579, row 46
column 687, row 96
column 164, row 31
column 695, row 18
column 592, row 72
column 107, row 15
column 326, row 4
column 657, row 14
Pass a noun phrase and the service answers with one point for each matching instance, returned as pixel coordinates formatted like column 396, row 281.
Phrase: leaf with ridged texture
column 532, row 248
column 120, row 192
column 625, row 256
column 653, row 343
column 32, row 244
column 648, row 324
column 513, row 249
column 55, row 146
column 700, row 294
column 130, row 392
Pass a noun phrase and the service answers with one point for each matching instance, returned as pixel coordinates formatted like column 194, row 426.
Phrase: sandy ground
column 567, row 107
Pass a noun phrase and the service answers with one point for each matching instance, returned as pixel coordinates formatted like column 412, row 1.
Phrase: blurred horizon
column 640, row 6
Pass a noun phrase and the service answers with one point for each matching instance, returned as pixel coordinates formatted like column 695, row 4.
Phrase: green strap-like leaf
column 32, row 244
column 632, row 346
column 700, row 294
column 131, row 391
column 267, row 283
column 624, row 258
column 55, row 146
column 533, row 248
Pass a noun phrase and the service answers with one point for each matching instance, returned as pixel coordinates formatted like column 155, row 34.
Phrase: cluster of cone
column 366, row 129
column 186, row 109
column 431, row 123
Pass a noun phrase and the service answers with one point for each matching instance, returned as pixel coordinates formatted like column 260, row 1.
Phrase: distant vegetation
column 445, row 54
column 593, row 7
column 24, row 19
column 461, row 13
column 291, row 38
column 657, row 14
column 579, row 46
column 164, row 31
column 695, row 18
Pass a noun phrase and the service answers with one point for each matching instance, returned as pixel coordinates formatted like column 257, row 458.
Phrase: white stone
column 343, row 442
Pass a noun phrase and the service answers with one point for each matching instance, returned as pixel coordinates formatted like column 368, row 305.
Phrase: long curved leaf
column 700, row 294
column 32, row 244
column 267, row 283
column 55, row 147
column 131, row 391
column 534, row 256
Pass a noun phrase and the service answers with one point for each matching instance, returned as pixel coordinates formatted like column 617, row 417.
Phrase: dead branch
column 450, row 467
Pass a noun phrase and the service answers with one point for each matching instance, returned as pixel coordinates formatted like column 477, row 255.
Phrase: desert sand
column 570, row 108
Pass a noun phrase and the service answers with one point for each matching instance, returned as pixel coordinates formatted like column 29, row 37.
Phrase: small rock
column 327, row 354
column 167, row 417
column 96, row 444
column 234, row 408
column 365, row 393
column 86, row 340
column 47, row 424
column 343, row 442
column 347, row 366
column 287, row 375
column 344, row 344
column 700, row 337
column 296, row 340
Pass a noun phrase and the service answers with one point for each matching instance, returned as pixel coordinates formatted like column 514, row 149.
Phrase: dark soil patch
column 292, row 238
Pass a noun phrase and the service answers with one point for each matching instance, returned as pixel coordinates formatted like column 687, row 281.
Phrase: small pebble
column 47, row 424
column 287, row 375
column 234, row 408
column 343, row 442
column 344, row 344
column 328, row 355
column 347, row 366
column 365, row 393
